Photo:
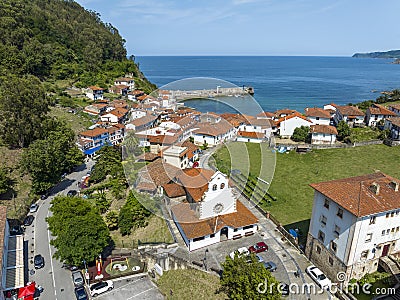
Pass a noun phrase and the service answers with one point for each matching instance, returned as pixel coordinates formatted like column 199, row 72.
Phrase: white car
column 33, row 208
column 243, row 251
column 319, row 277
column 101, row 287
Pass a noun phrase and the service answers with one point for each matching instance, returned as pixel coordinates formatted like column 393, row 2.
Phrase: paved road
column 56, row 281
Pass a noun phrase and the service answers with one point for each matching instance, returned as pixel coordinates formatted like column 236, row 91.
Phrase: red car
column 259, row 247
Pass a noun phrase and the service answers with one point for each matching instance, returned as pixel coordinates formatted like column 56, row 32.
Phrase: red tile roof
column 395, row 106
column 327, row 129
column 213, row 129
column 317, row 112
column 156, row 173
column 348, row 110
column 252, row 135
column 356, row 194
column 94, row 132
column 395, row 121
column 174, row 190
column 195, row 181
column 296, row 114
column 95, row 88
column 193, row 227
column 377, row 109
column 265, row 114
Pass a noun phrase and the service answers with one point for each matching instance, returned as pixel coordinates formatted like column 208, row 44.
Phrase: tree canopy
column 80, row 232
column 132, row 215
column 108, row 163
column 243, row 280
column 47, row 159
column 343, row 130
column 301, row 134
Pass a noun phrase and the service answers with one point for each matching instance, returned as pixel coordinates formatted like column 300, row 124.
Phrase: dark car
column 81, row 294
column 45, row 195
column 28, row 220
column 270, row 265
column 38, row 261
column 72, row 193
column 259, row 247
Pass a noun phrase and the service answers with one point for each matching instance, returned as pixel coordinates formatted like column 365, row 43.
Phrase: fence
column 333, row 146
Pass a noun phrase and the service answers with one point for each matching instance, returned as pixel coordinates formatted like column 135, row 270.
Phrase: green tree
column 47, row 159
column 112, row 220
column 301, row 134
column 102, row 203
column 248, row 280
column 109, row 163
column 5, row 181
column 80, row 232
column 23, row 109
column 343, row 130
column 132, row 215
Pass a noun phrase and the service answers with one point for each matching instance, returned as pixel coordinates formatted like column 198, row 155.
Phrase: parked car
column 258, row 258
column 270, row 265
column 33, row 208
column 101, row 287
column 81, row 294
column 259, row 247
column 28, row 220
column 72, row 193
column 243, row 251
column 38, row 261
column 319, row 277
column 77, row 278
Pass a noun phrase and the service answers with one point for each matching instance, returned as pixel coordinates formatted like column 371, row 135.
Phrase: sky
column 252, row 27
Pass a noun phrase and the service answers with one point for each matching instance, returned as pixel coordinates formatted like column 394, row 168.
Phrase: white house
column 125, row 81
column 211, row 213
column 395, row 108
column 213, row 133
column 176, row 156
column 323, row 134
column 354, row 222
column 377, row 113
column 393, row 125
column 260, row 126
column 318, row 116
column 11, row 257
column 94, row 93
column 249, row 137
column 352, row 115
column 286, row 125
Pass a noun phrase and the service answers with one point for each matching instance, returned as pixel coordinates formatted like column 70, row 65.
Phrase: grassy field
column 155, row 232
column 189, row 284
column 294, row 172
column 364, row 134
column 77, row 122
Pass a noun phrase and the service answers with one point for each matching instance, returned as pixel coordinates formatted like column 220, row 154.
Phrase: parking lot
column 138, row 288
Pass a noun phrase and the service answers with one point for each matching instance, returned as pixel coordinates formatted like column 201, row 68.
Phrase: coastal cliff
column 385, row 54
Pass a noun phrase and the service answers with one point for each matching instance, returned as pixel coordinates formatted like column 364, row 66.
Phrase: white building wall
column 323, row 138
column 332, row 219
column 199, row 139
column 248, row 140
column 319, row 120
column 287, row 127
column 207, row 241
column 109, row 118
column 179, row 162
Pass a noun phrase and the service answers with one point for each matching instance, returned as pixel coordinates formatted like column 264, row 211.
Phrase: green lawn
column 189, row 284
column 364, row 134
column 294, row 172
column 77, row 122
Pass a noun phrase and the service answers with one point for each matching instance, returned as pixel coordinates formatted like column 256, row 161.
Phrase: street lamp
column 205, row 259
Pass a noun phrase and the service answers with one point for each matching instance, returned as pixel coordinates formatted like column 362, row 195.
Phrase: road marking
column 51, row 259
column 152, row 288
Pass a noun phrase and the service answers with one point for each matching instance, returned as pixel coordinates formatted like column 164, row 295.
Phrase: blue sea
column 281, row 81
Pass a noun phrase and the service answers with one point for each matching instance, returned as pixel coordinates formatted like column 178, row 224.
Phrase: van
column 77, row 278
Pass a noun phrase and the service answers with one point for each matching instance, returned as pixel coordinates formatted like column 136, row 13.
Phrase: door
column 385, row 250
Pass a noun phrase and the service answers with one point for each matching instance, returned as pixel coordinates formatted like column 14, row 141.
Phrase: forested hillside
column 59, row 39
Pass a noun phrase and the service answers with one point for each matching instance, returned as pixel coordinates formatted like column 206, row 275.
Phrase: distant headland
column 385, row 54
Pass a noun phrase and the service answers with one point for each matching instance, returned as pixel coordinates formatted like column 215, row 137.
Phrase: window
column 215, row 187
column 368, row 238
column 340, row 213
column 318, row 249
column 392, row 214
column 333, row 246
column 331, row 261
column 383, row 232
column 337, row 230
column 393, row 229
column 212, row 235
column 372, row 220
column 235, row 229
column 387, row 231
column 198, row 239
column 397, row 229
column 323, row 219
column 387, row 215
column 222, row 186
column 247, row 227
column 326, row 204
column 364, row 254
column 321, row 236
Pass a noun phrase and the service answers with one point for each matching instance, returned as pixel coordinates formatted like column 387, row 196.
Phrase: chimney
column 394, row 185
column 375, row 188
